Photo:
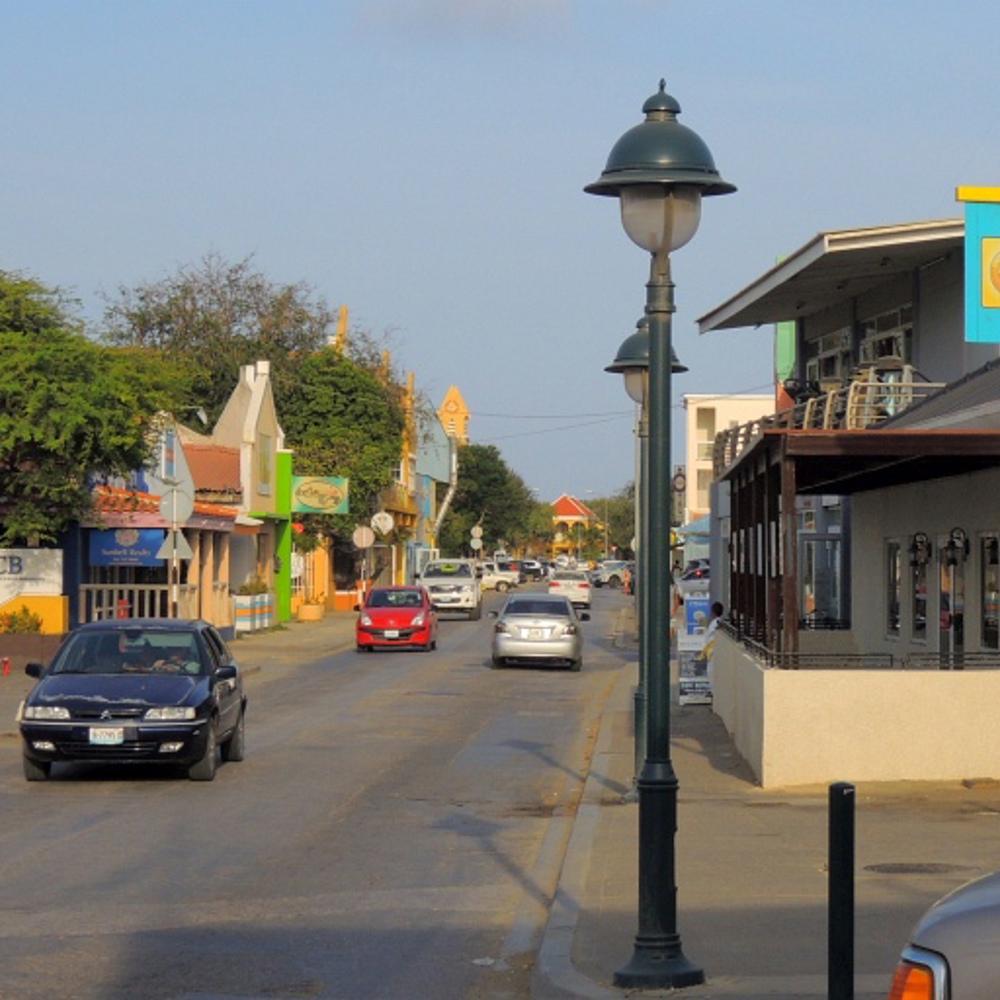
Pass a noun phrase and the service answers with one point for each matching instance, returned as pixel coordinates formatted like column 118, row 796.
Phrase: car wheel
column 204, row 769
column 502, row 586
column 497, row 662
column 36, row 770
column 614, row 581
column 234, row 749
column 576, row 665
column 476, row 613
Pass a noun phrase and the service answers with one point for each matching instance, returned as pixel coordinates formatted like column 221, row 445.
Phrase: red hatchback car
column 396, row 616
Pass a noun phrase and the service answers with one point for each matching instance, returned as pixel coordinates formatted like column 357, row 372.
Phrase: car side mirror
column 584, row 616
column 227, row 672
column 357, row 607
column 34, row 669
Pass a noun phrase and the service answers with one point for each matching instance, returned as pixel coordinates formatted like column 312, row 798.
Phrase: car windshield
column 129, row 650
column 527, row 606
column 395, row 599
column 448, row 569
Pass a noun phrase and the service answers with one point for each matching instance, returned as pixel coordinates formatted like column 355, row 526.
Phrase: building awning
column 839, row 463
column 699, row 526
column 247, row 525
column 835, row 266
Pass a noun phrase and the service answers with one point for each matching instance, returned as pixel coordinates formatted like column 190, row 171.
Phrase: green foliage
column 491, row 495
column 21, row 621
column 253, row 586
column 213, row 318
column 71, row 412
column 343, row 419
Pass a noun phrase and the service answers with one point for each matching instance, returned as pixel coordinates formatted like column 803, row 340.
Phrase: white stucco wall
column 798, row 727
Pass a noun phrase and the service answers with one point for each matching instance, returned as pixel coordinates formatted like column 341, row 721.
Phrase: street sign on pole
column 476, row 544
column 363, row 537
column 383, row 522
column 476, row 532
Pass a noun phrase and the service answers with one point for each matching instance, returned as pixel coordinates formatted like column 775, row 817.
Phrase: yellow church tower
column 454, row 416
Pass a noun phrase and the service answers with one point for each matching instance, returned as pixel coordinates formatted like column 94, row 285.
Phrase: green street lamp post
column 632, row 361
column 659, row 170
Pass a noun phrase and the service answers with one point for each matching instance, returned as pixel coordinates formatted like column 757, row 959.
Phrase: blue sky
column 423, row 162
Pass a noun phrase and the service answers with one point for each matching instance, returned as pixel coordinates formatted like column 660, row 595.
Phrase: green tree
column 342, row 419
column 71, row 412
column 489, row 494
column 215, row 317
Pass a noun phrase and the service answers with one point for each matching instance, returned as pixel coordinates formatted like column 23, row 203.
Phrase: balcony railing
column 926, row 660
column 865, row 402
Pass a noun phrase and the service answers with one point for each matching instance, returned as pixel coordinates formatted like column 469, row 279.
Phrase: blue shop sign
column 126, row 547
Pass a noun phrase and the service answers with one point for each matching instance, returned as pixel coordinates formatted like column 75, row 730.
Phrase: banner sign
column 30, row 571
column 694, row 687
column 982, row 263
column 126, row 547
column 319, row 495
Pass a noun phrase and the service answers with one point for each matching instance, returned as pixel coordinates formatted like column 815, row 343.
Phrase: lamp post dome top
column 660, row 151
column 633, row 352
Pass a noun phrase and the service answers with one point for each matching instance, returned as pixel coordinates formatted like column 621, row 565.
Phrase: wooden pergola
column 783, row 464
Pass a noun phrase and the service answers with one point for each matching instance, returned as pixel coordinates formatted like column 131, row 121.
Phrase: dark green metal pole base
column 654, row 967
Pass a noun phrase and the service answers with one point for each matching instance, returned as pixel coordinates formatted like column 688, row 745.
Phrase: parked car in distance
column 538, row 627
column 695, row 579
column 453, row 586
column 396, row 616
column 513, row 566
column 610, row 573
column 497, row 576
column 532, row 569
column 954, row 951
column 573, row 584
column 137, row 690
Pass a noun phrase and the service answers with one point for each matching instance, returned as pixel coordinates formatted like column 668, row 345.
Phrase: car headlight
column 45, row 712
column 365, row 619
column 169, row 713
column 418, row 620
column 466, row 589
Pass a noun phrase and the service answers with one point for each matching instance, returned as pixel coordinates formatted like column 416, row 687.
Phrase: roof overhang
column 835, row 266
column 840, row 463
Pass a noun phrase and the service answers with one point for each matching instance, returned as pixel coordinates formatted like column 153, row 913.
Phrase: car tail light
column 570, row 629
column 919, row 976
column 585, row 586
column 554, row 585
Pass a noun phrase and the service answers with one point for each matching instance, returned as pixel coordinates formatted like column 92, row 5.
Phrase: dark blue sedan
column 139, row 690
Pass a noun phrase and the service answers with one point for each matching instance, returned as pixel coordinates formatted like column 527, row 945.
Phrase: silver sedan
column 538, row 627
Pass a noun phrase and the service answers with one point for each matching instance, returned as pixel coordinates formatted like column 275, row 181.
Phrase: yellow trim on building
column 979, row 194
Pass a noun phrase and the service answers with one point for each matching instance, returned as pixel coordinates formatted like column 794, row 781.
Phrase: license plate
column 392, row 633
column 534, row 633
column 107, row 735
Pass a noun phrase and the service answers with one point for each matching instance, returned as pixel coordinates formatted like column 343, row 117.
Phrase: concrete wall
column 798, row 727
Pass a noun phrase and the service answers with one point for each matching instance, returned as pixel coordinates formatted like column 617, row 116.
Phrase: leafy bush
column 253, row 586
column 24, row 620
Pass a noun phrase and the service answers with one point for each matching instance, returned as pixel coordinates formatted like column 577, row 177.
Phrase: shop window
column 893, row 581
column 990, row 550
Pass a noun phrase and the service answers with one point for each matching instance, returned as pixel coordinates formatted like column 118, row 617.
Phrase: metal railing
column 865, row 402
column 776, row 659
column 117, row 600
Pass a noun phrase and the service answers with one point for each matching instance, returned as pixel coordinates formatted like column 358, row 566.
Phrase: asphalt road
column 396, row 831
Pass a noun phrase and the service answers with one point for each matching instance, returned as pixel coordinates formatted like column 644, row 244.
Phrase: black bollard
column 840, row 928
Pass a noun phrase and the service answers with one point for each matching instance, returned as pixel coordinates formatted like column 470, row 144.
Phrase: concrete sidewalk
column 751, row 869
